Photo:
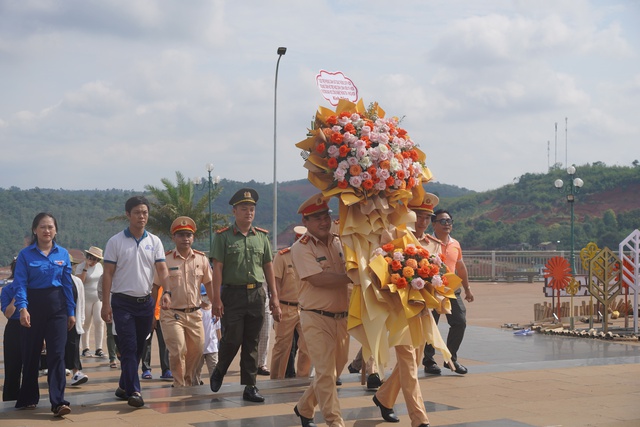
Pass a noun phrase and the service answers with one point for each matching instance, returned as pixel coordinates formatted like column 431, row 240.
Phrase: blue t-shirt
column 8, row 292
column 34, row 270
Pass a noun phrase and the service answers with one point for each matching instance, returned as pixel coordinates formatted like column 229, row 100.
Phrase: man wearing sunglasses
column 442, row 222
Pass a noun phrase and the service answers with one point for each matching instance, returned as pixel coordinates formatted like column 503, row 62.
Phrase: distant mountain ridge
column 520, row 215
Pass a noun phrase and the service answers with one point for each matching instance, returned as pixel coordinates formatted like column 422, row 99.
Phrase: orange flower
column 402, row 283
column 367, row 141
column 405, row 155
column 423, row 252
column 320, row 148
column 332, row 162
column 424, row 272
column 332, row 120
column 400, row 174
column 395, row 278
column 336, row 137
column 411, row 250
column 408, row 272
column 350, row 128
column 367, row 184
column 343, row 184
column 388, row 259
column 414, row 155
column 344, row 150
column 372, row 171
column 388, row 247
column 396, row 265
column 390, row 181
column 424, row 263
column 445, row 280
column 355, row 170
column 411, row 263
column 411, row 182
column 327, row 132
column 385, row 164
column 402, row 133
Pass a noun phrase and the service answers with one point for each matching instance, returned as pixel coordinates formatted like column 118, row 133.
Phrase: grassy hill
column 521, row 215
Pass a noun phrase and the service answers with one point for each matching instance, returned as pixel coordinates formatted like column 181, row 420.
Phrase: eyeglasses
column 444, row 221
column 91, row 257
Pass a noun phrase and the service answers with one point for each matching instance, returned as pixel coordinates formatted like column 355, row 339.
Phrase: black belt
column 292, row 304
column 187, row 310
column 328, row 313
column 139, row 300
column 244, row 285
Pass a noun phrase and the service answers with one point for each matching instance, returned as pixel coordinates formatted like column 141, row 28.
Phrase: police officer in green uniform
column 242, row 262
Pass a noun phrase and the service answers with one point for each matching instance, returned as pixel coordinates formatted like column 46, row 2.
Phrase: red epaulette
column 435, row 239
column 168, row 252
column 264, row 230
column 222, row 230
column 304, row 239
column 284, row 251
column 199, row 252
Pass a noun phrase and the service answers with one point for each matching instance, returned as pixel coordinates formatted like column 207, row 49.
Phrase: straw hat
column 95, row 251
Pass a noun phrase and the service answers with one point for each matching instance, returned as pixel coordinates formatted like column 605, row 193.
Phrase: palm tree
column 173, row 201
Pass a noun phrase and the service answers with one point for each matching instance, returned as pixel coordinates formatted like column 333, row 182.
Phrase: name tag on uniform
column 322, row 258
column 173, row 268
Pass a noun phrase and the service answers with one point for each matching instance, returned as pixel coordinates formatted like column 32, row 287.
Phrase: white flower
column 397, row 256
column 394, row 164
column 365, row 162
column 436, row 281
column 355, row 181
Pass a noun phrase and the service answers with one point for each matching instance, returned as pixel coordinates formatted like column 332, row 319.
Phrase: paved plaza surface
column 513, row 381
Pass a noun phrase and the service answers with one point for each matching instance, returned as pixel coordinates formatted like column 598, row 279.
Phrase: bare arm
column 461, row 271
column 107, row 279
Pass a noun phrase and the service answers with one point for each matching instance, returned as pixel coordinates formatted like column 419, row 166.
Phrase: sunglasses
column 91, row 258
column 447, row 221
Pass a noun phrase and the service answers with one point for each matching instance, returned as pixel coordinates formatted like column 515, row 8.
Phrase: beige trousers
column 282, row 347
column 184, row 338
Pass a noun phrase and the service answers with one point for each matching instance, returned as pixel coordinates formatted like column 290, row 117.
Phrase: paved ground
column 513, row 381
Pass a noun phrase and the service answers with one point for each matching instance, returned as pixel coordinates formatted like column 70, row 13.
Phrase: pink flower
column 333, row 151
column 355, row 181
column 417, row 283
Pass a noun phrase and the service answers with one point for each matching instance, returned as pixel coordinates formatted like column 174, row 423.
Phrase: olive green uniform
column 243, row 296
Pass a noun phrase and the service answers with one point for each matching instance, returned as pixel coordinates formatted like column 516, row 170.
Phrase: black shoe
column 215, row 381
column 387, row 413
column 61, row 411
column 251, row 394
column 352, row 370
column 306, row 422
column 457, row 368
column 121, row 394
column 424, row 425
column 373, row 382
column 135, row 400
column 263, row 371
column 432, row 369
column 338, row 381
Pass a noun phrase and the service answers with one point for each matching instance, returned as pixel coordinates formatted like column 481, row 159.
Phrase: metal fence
column 497, row 265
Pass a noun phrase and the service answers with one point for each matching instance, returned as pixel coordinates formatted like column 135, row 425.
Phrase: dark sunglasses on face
column 444, row 221
column 91, row 258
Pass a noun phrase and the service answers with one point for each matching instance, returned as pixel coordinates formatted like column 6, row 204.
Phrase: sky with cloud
column 119, row 93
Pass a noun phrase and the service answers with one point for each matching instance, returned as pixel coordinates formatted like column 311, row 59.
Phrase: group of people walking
column 305, row 287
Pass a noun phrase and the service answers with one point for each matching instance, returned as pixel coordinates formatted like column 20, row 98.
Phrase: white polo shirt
column 135, row 262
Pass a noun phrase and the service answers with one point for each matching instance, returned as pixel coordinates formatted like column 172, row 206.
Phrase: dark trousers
column 163, row 354
column 12, row 360
column 72, row 350
column 112, row 348
column 241, row 324
column 291, row 362
column 48, row 311
column 133, row 324
column 457, row 324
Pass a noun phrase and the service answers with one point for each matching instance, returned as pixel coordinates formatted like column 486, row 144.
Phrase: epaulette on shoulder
column 168, row 252
column 199, row 252
column 222, row 230
column 435, row 239
column 264, row 230
column 304, row 239
column 284, row 251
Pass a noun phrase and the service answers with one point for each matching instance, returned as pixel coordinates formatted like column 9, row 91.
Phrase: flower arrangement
column 361, row 150
column 413, row 266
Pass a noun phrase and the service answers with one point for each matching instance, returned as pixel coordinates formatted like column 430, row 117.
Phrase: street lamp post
column 571, row 189
column 281, row 51
column 211, row 184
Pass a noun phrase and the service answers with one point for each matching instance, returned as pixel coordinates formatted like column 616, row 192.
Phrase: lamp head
column 578, row 183
column 558, row 183
column 282, row 50
column 209, row 167
column 571, row 170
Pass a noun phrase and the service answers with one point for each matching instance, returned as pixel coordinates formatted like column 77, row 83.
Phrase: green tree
column 173, row 201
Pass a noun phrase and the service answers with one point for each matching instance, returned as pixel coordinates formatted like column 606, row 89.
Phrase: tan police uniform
column 405, row 374
column 324, row 320
column 182, row 323
column 289, row 286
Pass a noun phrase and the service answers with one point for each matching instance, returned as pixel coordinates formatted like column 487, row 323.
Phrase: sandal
column 146, row 375
column 113, row 365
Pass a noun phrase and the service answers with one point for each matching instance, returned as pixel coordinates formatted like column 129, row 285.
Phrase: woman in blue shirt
column 44, row 299
column 11, row 341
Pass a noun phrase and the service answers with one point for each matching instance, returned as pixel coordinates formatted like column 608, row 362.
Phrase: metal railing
column 494, row 265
